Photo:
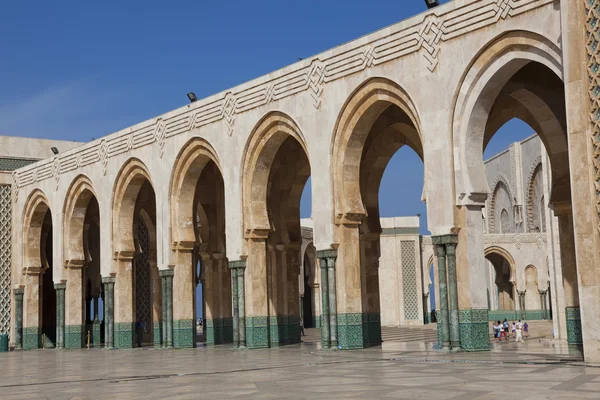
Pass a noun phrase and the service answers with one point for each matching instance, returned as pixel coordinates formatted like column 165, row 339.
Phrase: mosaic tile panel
column 97, row 330
column 574, row 334
column 31, row 338
column 142, row 276
column 474, row 329
column 512, row 315
column 157, row 334
column 184, row 333
column 257, row 332
column 5, row 257
column 124, row 335
column 219, row 330
column 409, row 279
column 75, row 336
column 358, row 330
column 284, row 330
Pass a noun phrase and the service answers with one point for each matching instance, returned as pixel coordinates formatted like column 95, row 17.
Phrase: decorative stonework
column 529, row 192
column 474, row 329
column 425, row 35
column 31, row 338
column 75, row 336
column 358, row 330
column 219, row 330
column 409, row 280
column 184, row 333
column 5, row 257
column 574, row 333
column 284, row 330
column 518, row 239
column 257, row 332
column 500, row 179
column 124, row 335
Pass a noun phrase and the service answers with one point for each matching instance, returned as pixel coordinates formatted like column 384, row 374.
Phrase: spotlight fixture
column 192, row 97
column 54, row 150
column 432, row 3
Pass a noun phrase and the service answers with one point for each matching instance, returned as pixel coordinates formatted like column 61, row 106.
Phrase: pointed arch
column 129, row 181
column 506, row 255
column 262, row 147
column 189, row 164
column 364, row 106
column 77, row 199
column 477, row 110
column 34, row 213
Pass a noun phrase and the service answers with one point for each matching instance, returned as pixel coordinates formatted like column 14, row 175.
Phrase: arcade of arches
column 113, row 238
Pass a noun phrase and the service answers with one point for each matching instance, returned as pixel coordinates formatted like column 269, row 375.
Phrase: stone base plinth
column 184, row 333
column 219, row 330
column 31, row 338
column 358, row 330
column 75, row 336
column 257, row 332
column 474, row 329
column 574, row 335
column 124, row 335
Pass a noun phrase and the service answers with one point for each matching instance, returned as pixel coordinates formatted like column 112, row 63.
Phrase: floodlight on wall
column 192, row 97
column 54, row 150
column 432, row 3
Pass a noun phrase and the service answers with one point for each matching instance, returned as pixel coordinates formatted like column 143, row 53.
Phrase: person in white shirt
column 518, row 331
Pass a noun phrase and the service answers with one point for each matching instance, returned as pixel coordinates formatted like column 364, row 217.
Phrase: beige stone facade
column 217, row 183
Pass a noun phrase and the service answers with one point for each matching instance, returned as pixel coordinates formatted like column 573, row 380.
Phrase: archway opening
column 504, row 290
column 47, row 291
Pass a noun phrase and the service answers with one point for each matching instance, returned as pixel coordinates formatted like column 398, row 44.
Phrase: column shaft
column 18, row 318
column 242, row 305
column 332, row 301
column 443, row 293
column 163, row 311
column 453, row 296
column 60, row 315
column 235, row 308
column 166, row 276
column 325, row 318
column 109, row 285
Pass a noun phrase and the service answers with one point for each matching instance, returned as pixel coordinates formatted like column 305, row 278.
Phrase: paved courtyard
column 405, row 367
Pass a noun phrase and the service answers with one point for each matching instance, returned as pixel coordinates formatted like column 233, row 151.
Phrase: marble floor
column 406, row 366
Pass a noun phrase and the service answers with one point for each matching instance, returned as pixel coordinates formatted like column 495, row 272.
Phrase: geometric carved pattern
column 500, row 180
column 409, row 280
column 518, row 239
column 423, row 34
column 5, row 257
column 529, row 197
column 142, row 276
column 592, row 8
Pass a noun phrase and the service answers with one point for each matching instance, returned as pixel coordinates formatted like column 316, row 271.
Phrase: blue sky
column 78, row 70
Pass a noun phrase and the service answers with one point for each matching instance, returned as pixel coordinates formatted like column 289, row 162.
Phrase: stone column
column 60, row 314
column 166, row 276
column 235, row 307
column 451, row 241
column 163, row 311
column 325, row 315
column 96, row 323
column 124, row 300
column 18, row 293
column 183, row 288
column 75, row 306
column 32, row 309
column 242, row 304
column 109, row 287
column 443, row 315
column 332, row 256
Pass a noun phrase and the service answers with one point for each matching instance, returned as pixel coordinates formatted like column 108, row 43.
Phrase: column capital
column 108, row 279
column 237, row 264
column 328, row 253
column 166, row 272
column 440, row 250
column 444, row 239
column 60, row 286
column 18, row 291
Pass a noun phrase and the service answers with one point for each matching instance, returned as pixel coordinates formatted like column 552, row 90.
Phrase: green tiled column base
column 358, row 330
column 75, row 336
column 316, row 321
column 574, row 335
column 124, row 335
column 284, row 330
column 184, row 334
column 474, row 329
column 157, row 334
column 31, row 338
column 219, row 330
column 515, row 315
column 257, row 332
column 440, row 317
column 96, row 333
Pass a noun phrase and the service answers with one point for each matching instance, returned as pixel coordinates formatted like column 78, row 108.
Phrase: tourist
column 502, row 331
column 518, row 332
column 496, row 328
column 302, row 327
column 139, row 331
column 513, row 329
column 526, row 330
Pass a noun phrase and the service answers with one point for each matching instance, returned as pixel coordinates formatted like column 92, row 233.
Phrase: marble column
column 18, row 293
column 60, row 314
column 332, row 298
column 443, row 315
column 166, row 276
column 453, row 293
column 325, row 317
column 242, row 305
column 235, row 307
column 163, row 311
column 109, row 287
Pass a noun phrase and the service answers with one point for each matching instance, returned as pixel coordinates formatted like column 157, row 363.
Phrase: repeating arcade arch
column 536, row 169
column 499, row 182
column 129, row 181
column 506, row 255
column 352, row 129
column 34, row 213
column 78, row 197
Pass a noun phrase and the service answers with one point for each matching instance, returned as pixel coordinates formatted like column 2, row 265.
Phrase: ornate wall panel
column 409, row 280
column 5, row 257
column 142, row 276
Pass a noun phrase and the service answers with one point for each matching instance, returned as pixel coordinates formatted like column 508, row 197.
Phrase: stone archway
column 276, row 168
column 503, row 266
column 198, row 215
column 39, row 305
column 134, row 207
column 375, row 122
column 81, row 252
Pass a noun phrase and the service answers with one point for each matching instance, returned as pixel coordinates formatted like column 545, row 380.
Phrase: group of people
column 519, row 330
